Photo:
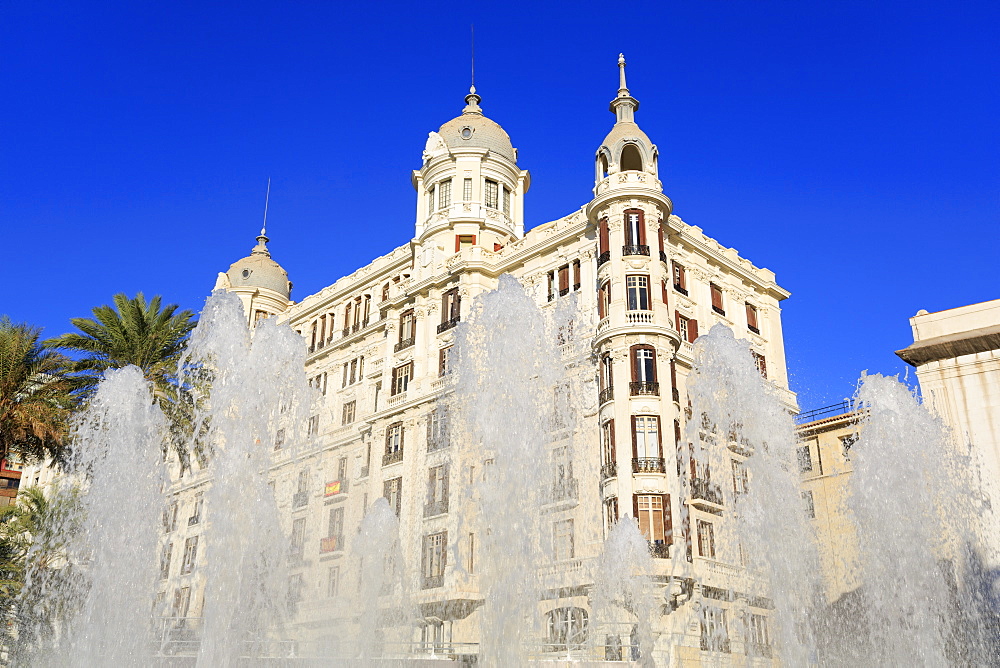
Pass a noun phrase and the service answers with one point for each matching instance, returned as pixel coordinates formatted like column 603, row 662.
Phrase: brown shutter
column 431, row 479
column 659, row 234
column 642, row 227
column 751, row 316
column 600, row 302
column 692, row 330
column 604, row 243
column 563, row 278
column 673, row 374
column 445, row 306
column 663, row 283
column 677, row 321
column 444, row 552
column 659, row 436
column 668, row 521
column 694, row 464
column 634, row 362
column 456, row 307
column 635, row 507
column 635, row 445
column 655, row 378
column 576, row 272
column 444, row 484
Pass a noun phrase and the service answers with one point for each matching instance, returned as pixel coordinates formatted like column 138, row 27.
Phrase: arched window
column 631, row 159
column 602, row 163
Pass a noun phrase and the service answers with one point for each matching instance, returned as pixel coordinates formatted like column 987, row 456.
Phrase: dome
column 258, row 270
column 626, row 131
column 474, row 129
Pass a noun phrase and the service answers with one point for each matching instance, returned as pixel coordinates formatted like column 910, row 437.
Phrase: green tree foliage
column 147, row 334
column 36, row 396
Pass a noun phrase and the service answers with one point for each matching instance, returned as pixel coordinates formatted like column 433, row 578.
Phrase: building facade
column 643, row 284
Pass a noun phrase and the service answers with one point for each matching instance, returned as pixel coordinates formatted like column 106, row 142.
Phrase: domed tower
column 470, row 190
column 261, row 283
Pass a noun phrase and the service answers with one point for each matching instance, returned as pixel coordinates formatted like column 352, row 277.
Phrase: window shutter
column 659, row 437
column 456, row 305
column 431, row 479
column 444, row 483
column 663, row 283
column 642, row 227
column 673, row 374
column 659, row 234
column 694, row 464
column 444, row 551
column 677, row 321
column 751, row 316
column 563, row 278
column 635, row 363
column 635, row 507
column 635, row 445
column 654, row 377
column 423, row 556
column 668, row 521
column 401, row 433
column 692, row 330
column 600, row 302
column 604, row 243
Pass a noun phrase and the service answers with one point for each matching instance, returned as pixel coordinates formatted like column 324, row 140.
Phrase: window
column 604, row 300
column 335, row 525
column 354, row 371
column 809, row 505
column 463, row 241
column 437, row 491
column 686, row 327
column 437, row 429
column 401, row 378
column 467, row 190
column 182, row 602
column 165, row 555
column 741, row 478
column 190, row 555
column 444, row 361
column 297, row 543
column 552, row 285
column 643, row 364
column 760, row 363
column 637, row 288
column 604, row 242
column 407, row 328
column 332, row 581
column 845, row 444
column 635, row 230
column 492, row 192
column 563, row 280
column 759, row 641
column 646, row 437
column 313, row 426
column 717, row 299
column 506, row 202
column 451, row 307
column 752, row 318
column 631, row 160
column 611, row 511
column 714, row 633
column 653, row 514
column 430, row 200
column 295, row 586
column 562, row 540
column 393, row 444
column 444, row 194
column 199, row 501
column 564, row 485
column 804, row 455
column 170, row 517
column 608, row 448
column 706, row 539
column 434, row 560
column 348, row 412
column 392, row 490
column 680, row 278
column 385, row 292
column 606, row 379
column 566, row 627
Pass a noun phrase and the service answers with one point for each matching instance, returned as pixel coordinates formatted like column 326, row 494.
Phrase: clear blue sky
column 851, row 147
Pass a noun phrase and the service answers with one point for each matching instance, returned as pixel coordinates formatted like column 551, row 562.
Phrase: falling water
column 117, row 441
column 252, row 387
column 734, row 408
column 506, row 374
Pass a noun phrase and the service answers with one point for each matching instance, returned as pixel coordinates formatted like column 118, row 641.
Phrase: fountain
column 922, row 601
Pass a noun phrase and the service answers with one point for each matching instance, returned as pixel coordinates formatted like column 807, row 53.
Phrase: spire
column 623, row 106
column 261, row 247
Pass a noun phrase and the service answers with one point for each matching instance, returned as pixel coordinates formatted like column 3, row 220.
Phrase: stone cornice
column 952, row 345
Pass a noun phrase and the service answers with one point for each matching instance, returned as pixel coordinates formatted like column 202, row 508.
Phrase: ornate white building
column 379, row 341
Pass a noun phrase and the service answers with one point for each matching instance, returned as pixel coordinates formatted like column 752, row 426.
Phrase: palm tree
column 35, row 395
column 145, row 334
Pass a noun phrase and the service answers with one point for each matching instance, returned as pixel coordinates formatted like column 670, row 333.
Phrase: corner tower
column 470, row 190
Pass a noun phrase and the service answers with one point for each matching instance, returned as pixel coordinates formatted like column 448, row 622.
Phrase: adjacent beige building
column 643, row 284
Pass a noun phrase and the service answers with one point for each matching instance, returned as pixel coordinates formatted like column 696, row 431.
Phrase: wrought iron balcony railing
column 648, row 465
column 404, row 344
column 438, row 507
column 644, row 387
column 663, row 257
column 603, row 257
column 659, row 549
column 706, row 490
column 609, row 470
column 392, row 457
column 606, row 395
column 719, row 310
column 300, row 499
column 448, row 324
column 565, row 489
column 432, row 581
column 637, row 249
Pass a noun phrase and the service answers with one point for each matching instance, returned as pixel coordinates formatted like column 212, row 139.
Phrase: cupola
column 260, row 282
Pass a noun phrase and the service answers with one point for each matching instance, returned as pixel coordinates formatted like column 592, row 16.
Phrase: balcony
column 609, row 471
column 563, row 292
column 194, row 519
column 675, row 394
column 718, row 309
column 448, row 324
column 705, row 490
column 603, row 257
column 644, row 387
column 639, row 317
column 639, row 249
column 300, row 499
column 606, row 395
column 392, row 457
column 438, row 507
column 755, row 331
column 648, row 465
column 564, row 490
column 331, row 544
column 663, row 257
column 681, row 289
column 404, row 344
column 432, row 581
column 659, row 549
